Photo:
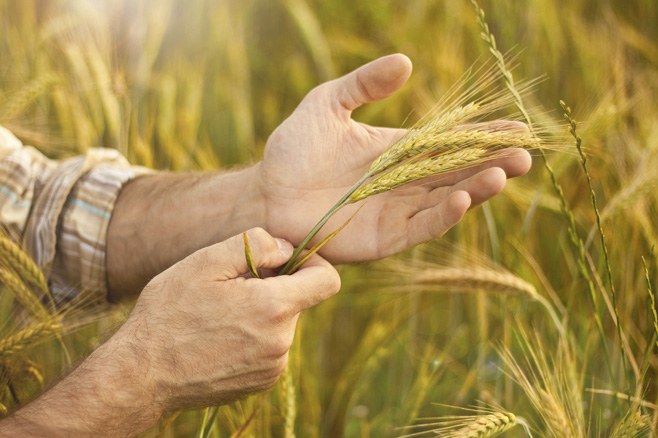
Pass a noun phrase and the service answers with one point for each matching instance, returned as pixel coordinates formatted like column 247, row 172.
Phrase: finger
column 435, row 221
column 315, row 282
column 480, row 187
column 373, row 81
column 226, row 260
column 483, row 185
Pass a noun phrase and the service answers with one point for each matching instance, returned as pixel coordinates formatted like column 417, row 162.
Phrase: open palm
column 316, row 155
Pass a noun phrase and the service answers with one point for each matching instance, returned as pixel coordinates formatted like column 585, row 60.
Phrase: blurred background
column 199, row 85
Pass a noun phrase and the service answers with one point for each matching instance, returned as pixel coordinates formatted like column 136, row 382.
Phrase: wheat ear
column 414, row 143
column 23, row 294
column 577, row 242
column 416, row 170
column 28, row 336
column 485, row 424
column 583, row 161
column 633, row 425
column 289, row 401
column 24, row 266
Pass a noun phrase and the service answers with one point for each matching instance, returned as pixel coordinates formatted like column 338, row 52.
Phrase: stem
column 343, row 201
column 583, row 163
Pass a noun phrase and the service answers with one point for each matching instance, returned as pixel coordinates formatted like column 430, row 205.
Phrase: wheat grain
column 28, row 337
column 486, row 426
column 414, row 142
column 414, row 171
column 550, row 385
column 436, row 141
column 486, row 423
column 475, row 273
column 23, row 294
column 24, row 266
column 476, row 278
column 25, row 96
column 554, row 414
column 633, row 425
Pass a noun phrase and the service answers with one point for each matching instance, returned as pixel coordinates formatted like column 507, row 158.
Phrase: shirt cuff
column 79, row 262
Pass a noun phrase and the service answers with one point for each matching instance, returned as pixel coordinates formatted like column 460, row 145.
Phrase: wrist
column 242, row 190
column 160, row 219
column 118, row 372
column 109, row 394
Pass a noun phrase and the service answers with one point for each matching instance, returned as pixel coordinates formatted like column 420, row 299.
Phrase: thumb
column 373, row 81
column 226, row 260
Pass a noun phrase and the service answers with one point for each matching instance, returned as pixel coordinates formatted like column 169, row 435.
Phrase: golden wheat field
column 535, row 316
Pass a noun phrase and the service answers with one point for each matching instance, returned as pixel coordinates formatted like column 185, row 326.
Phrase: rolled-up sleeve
column 60, row 211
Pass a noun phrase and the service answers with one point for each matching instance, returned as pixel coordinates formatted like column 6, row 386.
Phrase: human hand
column 314, row 156
column 207, row 334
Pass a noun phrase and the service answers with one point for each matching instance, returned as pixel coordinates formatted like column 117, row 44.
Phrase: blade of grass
column 318, row 246
column 652, row 297
column 248, row 255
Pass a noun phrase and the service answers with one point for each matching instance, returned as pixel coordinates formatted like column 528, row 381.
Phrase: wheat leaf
column 248, row 255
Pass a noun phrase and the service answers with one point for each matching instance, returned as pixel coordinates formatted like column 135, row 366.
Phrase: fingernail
column 284, row 246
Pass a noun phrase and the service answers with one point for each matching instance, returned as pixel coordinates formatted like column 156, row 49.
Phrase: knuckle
column 279, row 346
column 278, row 312
column 258, row 234
column 334, row 282
column 330, row 283
column 281, row 364
column 319, row 93
column 262, row 243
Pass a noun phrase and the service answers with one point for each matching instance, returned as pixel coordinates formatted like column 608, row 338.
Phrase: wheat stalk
column 652, row 298
column 576, row 241
column 583, row 161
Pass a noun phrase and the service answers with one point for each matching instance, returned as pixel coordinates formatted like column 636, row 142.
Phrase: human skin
column 200, row 334
column 310, row 160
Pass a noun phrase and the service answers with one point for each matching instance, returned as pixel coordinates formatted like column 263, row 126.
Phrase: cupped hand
column 206, row 334
column 316, row 155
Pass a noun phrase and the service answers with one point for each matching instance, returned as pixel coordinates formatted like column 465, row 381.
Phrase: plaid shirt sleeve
column 60, row 211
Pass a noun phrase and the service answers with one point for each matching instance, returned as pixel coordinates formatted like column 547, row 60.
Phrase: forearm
column 159, row 219
column 107, row 395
